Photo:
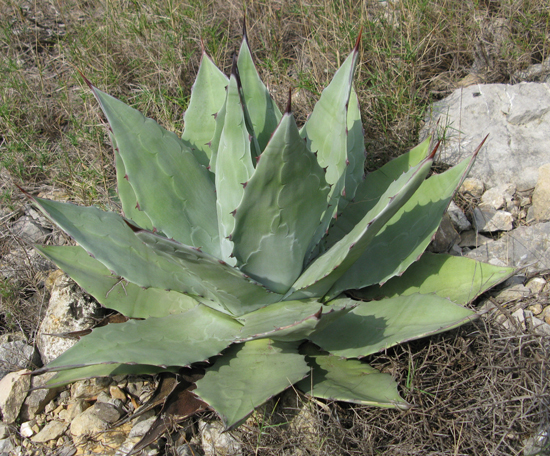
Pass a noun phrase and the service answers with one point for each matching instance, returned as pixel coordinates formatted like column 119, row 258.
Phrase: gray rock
column 216, row 442
column 536, row 285
column 472, row 238
column 445, row 236
column 18, row 261
column 515, row 116
column 94, row 419
column 460, row 222
column 4, row 430
column 494, row 198
column 525, row 247
column 541, row 195
column 512, row 294
column 13, row 391
column 37, row 399
column 6, row 446
column 473, row 187
column 16, row 354
column 89, row 388
column 74, row 409
column 53, row 430
column 488, row 220
column 26, row 429
column 69, row 310
column 30, row 231
column 534, row 446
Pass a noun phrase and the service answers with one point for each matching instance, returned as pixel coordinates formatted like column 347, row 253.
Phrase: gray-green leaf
column 377, row 325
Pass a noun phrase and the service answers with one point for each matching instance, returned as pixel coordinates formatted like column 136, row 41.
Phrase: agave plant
column 239, row 240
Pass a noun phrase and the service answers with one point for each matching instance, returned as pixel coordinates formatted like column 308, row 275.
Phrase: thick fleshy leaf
column 355, row 164
column 376, row 325
column 459, row 279
column 104, row 370
column 175, row 340
column 249, row 374
column 273, row 225
column 326, row 135
column 171, row 187
column 263, row 111
column 348, row 380
column 112, row 291
column 407, row 234
column 207, row 98
column 126, row 194
column 285, row 321
column 370, row 190
column 215, row 141
column 110, row 240
column 226, row 284
column 333, row 264
column 233, row 166
column 291, row 320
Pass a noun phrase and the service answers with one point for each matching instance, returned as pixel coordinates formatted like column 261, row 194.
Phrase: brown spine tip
column 356, row 47
column 245, row 35
column 134, row 228
column 289, row 103
column 203, row 47
column 234, row 69
column 432, row 155
column 86, row 80
column 480, row 146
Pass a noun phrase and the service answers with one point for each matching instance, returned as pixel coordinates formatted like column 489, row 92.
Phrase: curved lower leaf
column 175, row 340
column 249, row 374
column 112, row 291
column 348, row 380
column 377, row 325
column 104, row 370
column 459, row 279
